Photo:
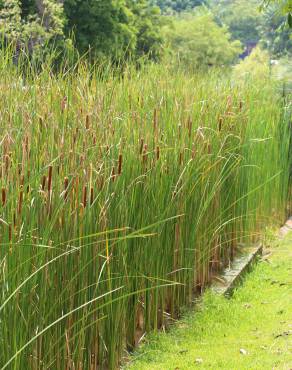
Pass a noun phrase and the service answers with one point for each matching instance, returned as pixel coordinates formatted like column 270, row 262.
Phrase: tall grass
column 120, row 196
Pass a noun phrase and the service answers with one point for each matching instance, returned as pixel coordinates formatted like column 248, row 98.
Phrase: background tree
column 198, row 41
column 114, row 28
column 284, row 6
column 147, row 22
column 31, row 24
column 276, row 37
column 106, row 26
column 241, row 16
column 177, row 5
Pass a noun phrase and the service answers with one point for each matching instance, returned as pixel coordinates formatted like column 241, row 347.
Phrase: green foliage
column 197, row 41
column 113, row 28
column 147, row 24
column 106, row 26
column 177, row 5
column 241, row 16
column 31, row 25
column 255, row 66
column 276, row 36
column 284, row 7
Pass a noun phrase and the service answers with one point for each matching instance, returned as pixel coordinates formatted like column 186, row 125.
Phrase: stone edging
column 231, row 276
column 286, row 228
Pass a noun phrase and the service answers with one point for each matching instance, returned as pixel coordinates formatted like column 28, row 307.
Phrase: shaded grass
column 257, row 319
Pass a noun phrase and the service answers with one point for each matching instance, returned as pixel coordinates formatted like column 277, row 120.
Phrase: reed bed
column 121, row 195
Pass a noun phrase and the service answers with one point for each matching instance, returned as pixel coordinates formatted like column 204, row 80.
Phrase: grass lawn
column 252, row 330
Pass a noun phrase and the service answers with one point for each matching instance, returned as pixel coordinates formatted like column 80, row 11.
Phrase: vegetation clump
column 120, row 196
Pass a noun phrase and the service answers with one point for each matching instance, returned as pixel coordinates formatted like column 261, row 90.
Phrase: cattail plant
column 119, row 202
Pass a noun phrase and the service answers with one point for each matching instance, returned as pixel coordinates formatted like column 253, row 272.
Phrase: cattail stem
column 113, row 174
column 190, row 124
column 155, row 119
column 9, row 232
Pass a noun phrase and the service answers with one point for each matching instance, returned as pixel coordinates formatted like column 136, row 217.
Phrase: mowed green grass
column 252, row 330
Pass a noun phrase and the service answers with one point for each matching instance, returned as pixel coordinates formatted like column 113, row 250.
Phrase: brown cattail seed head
column 220, row 124
column 120, row 164
column 84, row 196
column 141, row 145
column 3, row 195
column 6, row 162
column 50, row 178
column 44, row 180
column 155, row 119
column 91, row 196
column 145, row 153
column 10, row 232
column 157, row 153
column 20, row 200
column 87, row 122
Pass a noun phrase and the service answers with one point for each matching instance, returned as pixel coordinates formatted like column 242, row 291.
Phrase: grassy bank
column 252, row 330
column 119, row 196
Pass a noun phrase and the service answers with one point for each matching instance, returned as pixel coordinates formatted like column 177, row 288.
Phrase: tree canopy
column 198, row 41
column 177, row 5
column 285, row 8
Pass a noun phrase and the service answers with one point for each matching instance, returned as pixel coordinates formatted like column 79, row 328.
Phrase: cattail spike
column 145, row 153
column 44, row 180
column 9, row 232
column 157, row 153
column 87, row 122
column 50, row 179
column 220, row 124
column 91, row 196
column 141, row 145
column 3, row 194
column 120, row 164
column 20, row 200
column 84, row 196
